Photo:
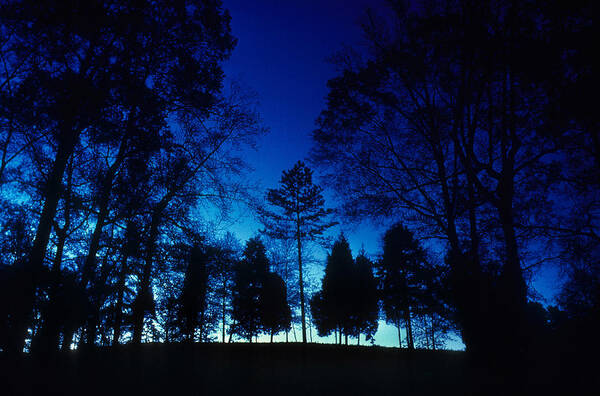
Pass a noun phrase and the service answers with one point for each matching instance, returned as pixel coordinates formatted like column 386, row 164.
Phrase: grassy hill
column 250, row 369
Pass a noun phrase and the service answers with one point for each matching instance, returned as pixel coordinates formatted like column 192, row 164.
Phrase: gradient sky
column 282, row 54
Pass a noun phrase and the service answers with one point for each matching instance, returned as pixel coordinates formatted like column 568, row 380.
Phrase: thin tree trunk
column 432, row 332
column 302, row 311
column 411, row 344
column 143, row 296
column 120, row 297
column 399, row 333
column 224, row 316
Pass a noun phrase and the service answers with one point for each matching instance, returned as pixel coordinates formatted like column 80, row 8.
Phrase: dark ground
column 261, row 369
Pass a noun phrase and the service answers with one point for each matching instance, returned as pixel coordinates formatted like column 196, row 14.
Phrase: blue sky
column 282, row 54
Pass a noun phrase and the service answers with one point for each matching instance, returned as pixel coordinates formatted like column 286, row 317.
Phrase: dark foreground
column 265, row 369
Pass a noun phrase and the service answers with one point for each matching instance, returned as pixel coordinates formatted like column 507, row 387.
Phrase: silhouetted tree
column 282, row 255
column 225, row 258
column 249, row 277
column 333, row 306
column 193, row 295
column 275, row 312
column 365, row 298
column 299, row 214
column 399, row 273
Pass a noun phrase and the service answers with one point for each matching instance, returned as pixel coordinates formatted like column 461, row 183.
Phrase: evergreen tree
column 193, row 297
column 298, row 214
column 332, row 307
column 275, row 312
column 249, row 277
column 398, row 274
column 366, row 298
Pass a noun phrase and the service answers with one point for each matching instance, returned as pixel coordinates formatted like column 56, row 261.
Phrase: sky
column 282, row 54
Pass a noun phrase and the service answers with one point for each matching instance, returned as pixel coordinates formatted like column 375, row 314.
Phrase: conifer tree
column 298, row 213
column 249, row 276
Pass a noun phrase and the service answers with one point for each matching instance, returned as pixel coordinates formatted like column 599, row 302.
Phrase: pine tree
column 249, row 277
column 398, row 276
column 193, row 296
column 366, row 298
column 275, row 312
column 298, row 214
column 332, row 307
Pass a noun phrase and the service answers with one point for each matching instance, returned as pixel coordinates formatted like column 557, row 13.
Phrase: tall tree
column 249, row 278
column 275, row 315
column 193, row 296
column 398, row 273
column 298, row 214
column 366, row 298
column 226, row 257
column 332, row 306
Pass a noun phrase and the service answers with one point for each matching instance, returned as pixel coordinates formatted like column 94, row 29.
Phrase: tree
column 398, row 273
column 275, row 312
column 193, row 295
column 298, row 214
column 366, row 298
column 332, row 306
column 249, row 278
column 226, row 257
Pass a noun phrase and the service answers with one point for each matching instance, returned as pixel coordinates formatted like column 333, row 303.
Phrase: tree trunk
column 120, row 296
column 409, row 335
column 142, row 299
column 224, row 313
column 302, row 311
column 432, row 332
column 89, row 265
column 48, row 336
column 513, row 290
column 52, row 193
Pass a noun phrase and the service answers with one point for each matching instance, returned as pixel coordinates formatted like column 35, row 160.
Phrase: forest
column 468, row 127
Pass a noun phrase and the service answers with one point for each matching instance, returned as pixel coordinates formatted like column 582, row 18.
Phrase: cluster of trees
column 116, row 135
column 259, row 296
column 347, row 303
column 471, row 120
column 404, row 285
